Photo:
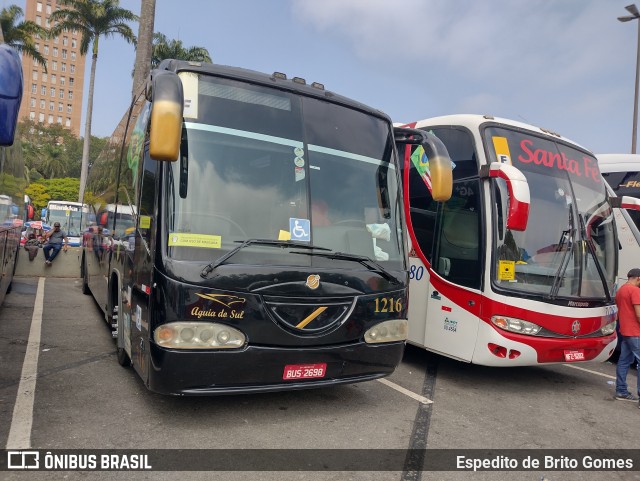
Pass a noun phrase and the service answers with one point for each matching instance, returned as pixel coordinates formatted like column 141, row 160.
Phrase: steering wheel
column 351, row 222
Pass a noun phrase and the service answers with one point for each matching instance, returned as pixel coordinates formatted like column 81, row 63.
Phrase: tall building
column 54, row 96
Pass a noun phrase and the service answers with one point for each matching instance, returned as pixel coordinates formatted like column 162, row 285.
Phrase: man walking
column 54, row 243
column 628, row 302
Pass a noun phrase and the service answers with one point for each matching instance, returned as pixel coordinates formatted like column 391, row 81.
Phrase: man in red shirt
column 628, row 302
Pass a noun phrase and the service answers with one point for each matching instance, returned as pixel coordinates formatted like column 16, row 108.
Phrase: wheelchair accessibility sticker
column 300, row 229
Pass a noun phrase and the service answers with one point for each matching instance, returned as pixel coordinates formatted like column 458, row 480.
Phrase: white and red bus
column 517, row 268
column 622, row 173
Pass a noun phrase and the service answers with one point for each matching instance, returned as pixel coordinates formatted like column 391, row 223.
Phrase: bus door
column 446, row 255
column 443, row 291
column 140, row 250
column 453, row 298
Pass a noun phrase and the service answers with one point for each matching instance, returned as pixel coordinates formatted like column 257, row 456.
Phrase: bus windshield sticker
column 181, row 239
column 190, row 89
column 421, row 163
column 300, row 229
column 506, row 270
column 284, row 235
column 299, row 151
column 299, row 174
column 299, row 161
column 144, row 222
column 501, row 147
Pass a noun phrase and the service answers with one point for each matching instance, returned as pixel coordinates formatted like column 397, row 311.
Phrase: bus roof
column 619, row 162
column 269, row 80
column 474, row 121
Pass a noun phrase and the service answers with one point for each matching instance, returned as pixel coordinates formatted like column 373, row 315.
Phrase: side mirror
column 431, row 159
column 10, row 93
column 519, row 196
column 167, row 104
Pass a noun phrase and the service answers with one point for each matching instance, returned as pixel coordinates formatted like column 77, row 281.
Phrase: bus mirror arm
column 519, row 196
column 624, row 202
column 405, row 135
column 433, row 163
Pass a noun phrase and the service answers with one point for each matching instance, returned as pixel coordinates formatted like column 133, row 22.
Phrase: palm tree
column 93, row 19
column 20, row 35
column 164, row 48
column 142, row 64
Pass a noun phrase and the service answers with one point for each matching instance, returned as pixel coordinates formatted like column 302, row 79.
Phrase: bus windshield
column 575, row 261
column 69, row 216
column 258, row 163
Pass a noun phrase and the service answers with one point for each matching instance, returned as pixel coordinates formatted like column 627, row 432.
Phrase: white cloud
column 555, row 42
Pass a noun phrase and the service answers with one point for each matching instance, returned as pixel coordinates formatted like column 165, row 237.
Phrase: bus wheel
column 85, row 280
column 123, row 357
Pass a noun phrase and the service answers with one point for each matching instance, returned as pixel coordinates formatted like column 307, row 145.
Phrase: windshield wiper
column 263, row 242
column 364, row 260
column 592, row 250
column 564, row 262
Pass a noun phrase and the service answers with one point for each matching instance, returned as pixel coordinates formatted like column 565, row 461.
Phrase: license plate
column 577, row 355
column 304, row 371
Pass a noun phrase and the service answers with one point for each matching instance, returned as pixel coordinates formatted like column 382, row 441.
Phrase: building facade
column 53, row 96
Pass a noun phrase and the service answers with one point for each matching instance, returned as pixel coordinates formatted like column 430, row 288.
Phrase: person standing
column 55, row 239
column 628, row 302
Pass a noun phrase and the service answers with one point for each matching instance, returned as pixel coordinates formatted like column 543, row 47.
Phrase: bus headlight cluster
column 608, row 329
column 198, row 335
column 387, row 331
column 513, row 324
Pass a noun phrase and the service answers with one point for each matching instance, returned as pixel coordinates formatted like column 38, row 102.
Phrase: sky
column 564, row 65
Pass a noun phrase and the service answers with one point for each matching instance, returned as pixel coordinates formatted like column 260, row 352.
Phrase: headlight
column 608, row 329
column 198, row 335
column 516, row 325
column 387, row 331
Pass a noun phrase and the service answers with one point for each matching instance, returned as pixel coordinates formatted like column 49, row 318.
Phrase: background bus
column 490, row 291
column 264, row 246
column 73, row 218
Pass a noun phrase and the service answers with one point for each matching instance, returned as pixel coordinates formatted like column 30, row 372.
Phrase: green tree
column 53, row 162
column 39, row 196
column 164, row 48
column 93, row 19
column 63, row 189
column 50, row 150
column 43, row 191
column 20, row 35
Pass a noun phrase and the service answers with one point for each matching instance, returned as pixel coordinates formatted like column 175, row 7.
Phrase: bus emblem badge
column 313, row 281
column 575, row 327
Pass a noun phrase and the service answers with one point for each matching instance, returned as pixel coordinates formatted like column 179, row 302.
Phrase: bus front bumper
column 505, row 349
column 261, row 369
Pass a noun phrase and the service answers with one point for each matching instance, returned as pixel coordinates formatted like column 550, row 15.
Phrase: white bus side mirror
column 519, row 196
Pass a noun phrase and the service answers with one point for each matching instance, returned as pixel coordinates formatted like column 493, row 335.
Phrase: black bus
column 254, row 239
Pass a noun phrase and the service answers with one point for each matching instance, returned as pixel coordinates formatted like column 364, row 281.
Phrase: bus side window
column 147, row 196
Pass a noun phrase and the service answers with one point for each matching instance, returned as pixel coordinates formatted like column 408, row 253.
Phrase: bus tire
column 123, row 357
